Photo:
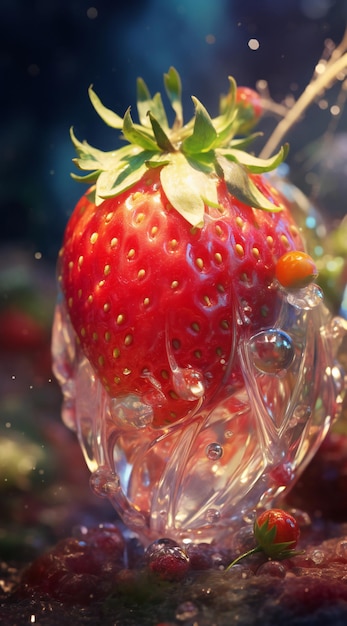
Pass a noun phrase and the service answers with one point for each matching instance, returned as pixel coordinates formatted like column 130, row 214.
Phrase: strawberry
column 168, row 261
column 276, row 533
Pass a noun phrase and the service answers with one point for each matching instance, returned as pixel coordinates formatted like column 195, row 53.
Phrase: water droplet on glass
column 272, row 351
column 104, row 482
column 301, row 414
column 212, row 515
column 214, row 451
column 188, row 383
column 131, row 410
column 307, row 298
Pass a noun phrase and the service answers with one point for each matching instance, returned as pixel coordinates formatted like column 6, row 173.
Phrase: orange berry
column 295, row 270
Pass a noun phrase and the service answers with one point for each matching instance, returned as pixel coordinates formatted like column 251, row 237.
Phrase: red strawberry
column 169, row 259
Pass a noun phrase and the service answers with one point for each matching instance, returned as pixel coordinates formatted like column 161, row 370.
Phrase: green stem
column 243, row 556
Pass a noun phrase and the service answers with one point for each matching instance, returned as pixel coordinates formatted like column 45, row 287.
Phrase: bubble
column 272, row 351
column 188, row 383
column 212, row 515
column 307, row 298
column 341, row 549
column 214, row 451
column 301, row 414
column 104, row 482
column 318, row 557
column 272, row 568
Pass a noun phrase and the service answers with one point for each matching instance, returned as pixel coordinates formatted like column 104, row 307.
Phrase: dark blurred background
column 52, row 50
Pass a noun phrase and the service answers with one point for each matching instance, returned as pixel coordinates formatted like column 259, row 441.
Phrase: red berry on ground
column 169, row 562
column 276, row 532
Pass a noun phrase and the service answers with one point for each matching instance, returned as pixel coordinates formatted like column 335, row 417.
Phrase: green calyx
column 192, row 157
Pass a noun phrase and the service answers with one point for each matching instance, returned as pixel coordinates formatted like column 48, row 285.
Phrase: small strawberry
column 168, row 261
column 250, row 106
column 276, row 533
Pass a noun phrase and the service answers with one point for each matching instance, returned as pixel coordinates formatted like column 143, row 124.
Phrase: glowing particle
column 92, row 13
column 335, row 110
column 253, row 44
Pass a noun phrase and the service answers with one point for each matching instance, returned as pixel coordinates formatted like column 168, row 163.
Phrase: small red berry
column 277, row 533
column 295, row 270
column 250, row 107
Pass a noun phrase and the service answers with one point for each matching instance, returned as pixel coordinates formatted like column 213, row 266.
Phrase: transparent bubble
column 318, row 557
column 188, row 383
column 272, row 568
column 341, row 549
column 212, row 515
column 104, row 482
column 214, row 451
column 272, row 351
column 301, row 414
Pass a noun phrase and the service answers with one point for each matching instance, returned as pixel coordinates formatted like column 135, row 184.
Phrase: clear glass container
column 198, row 478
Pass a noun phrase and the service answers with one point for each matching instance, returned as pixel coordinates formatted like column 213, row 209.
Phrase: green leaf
column 158, row 161
column 172, row 83
column 108, row 116
column 187, row 188
column 204, row 133
column 85, row 151
column 113, row 183
column 136, row 134
column 243, row 142
column 143, row 101
column 145, row 104
column 227, row 102
column 255, row 164
column 226, row 107
column 242, row 187
column 88, row 178
column 161, row 137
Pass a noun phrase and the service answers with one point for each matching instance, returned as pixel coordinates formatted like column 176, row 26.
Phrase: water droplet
column 131, row 410
column 214, row 451
column 301, row 413
column 272, row 351
column 212, row 516
column 341, row 549
column 318, row 556
column 272, row 568
column 104, row 482
column 188, row 383
column 307, row 298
